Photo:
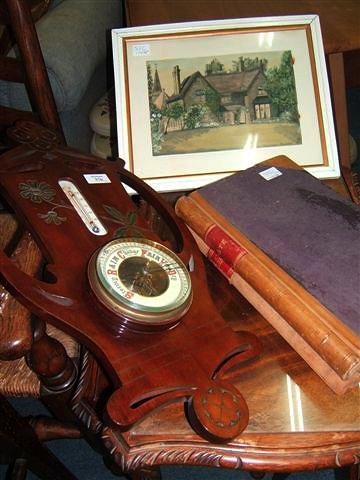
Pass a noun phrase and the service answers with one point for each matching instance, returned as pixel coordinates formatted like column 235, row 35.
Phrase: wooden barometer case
column 140, row 304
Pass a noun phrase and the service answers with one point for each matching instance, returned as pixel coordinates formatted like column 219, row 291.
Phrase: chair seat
column 16, row 378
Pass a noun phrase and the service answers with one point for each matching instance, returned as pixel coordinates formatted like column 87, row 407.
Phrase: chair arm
column 16, row 334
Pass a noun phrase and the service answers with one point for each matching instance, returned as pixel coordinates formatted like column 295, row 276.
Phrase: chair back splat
column 29, row 68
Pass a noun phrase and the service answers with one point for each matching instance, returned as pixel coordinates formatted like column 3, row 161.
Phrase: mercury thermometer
column 82, row 207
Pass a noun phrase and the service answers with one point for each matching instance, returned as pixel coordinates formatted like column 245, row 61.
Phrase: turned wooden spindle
column 49, row 360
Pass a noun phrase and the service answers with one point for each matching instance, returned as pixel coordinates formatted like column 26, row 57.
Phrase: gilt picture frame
column 198, row 101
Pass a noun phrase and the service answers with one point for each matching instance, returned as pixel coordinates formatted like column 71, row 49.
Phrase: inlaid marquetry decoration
column 41, row 192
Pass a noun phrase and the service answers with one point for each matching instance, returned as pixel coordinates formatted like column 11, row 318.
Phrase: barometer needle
column 166, row 268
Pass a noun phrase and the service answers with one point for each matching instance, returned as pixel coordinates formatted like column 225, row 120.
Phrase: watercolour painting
column 212, row 103
column 198, row 101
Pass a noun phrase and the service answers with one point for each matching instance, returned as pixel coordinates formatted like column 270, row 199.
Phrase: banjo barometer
column 140, row 304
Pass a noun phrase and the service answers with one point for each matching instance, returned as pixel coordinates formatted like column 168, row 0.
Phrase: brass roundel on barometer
column 142, row 282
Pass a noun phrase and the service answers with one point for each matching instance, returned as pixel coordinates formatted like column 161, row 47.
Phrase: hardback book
column 290, row 245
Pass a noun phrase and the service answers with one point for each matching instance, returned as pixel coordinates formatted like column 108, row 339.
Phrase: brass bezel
column 135, row 314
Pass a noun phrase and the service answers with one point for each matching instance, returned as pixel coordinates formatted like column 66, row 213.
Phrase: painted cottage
column 238, row 96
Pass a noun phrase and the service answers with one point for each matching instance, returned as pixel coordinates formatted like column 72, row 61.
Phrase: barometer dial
column 142, row 281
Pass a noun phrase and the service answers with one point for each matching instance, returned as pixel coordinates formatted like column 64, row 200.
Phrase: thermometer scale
column 82, row 207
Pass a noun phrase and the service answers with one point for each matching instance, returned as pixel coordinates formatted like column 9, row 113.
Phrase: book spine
column 299, row 315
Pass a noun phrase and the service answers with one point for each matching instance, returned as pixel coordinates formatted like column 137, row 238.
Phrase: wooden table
column 296, row 421
column 340, row 26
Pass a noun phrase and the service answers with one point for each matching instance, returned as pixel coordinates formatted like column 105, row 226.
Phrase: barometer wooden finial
column 218, row 412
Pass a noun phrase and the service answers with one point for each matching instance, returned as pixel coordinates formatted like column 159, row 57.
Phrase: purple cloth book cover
column 304, row 226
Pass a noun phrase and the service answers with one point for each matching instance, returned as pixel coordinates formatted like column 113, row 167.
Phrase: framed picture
column 198, row 101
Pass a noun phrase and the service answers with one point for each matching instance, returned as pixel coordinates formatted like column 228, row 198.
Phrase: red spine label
column 219, row 263
column 224, row 245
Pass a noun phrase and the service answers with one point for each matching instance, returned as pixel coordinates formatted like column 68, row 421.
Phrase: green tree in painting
column 213, row 101
column 280, row 86
column 244, row 64
column 255, row 63
column 193, row 116
column 157, row 136
column 214, row 67
column 150, row 79
column 175, row 111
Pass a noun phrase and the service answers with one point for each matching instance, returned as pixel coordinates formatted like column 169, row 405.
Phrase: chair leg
column 19, row 438
column 355, row 472
column 151, row 473
column 48, row 428
column 347, row 473
column 19, row 469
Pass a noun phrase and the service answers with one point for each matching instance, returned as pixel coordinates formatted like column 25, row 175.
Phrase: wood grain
column 339, row 19
column 296, row 422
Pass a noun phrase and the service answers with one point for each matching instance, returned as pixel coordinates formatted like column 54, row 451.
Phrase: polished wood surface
column 339, row 18
column 295, row 421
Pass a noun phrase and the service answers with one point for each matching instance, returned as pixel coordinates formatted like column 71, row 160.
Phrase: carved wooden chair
column 17, row 27
column 36, row 360
column 40, row 361
column 20, row 444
